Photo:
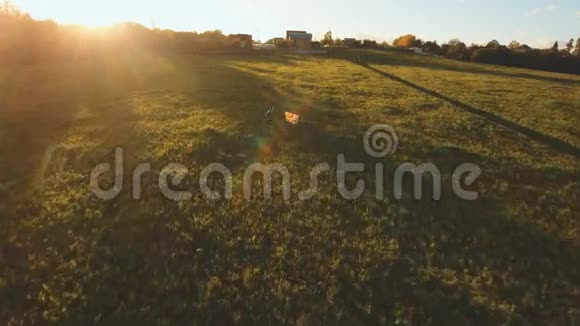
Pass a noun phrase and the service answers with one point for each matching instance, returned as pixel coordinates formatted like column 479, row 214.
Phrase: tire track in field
column 547, row 140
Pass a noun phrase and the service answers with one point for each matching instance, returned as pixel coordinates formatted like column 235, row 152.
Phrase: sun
column 86, row 13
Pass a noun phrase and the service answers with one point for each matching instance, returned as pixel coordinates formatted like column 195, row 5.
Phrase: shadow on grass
column 468, row 237
column 51, row 173
column 489, row 236
column 403, row 58
column 324, row 261
column 450, row 236
column 547, row 140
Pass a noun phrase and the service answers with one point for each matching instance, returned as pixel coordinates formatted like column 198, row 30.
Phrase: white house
column 417, row 50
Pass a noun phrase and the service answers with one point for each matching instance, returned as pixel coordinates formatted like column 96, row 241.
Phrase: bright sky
column 535, row 22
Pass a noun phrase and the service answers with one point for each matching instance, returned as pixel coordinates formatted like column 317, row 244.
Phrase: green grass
column 68, row 257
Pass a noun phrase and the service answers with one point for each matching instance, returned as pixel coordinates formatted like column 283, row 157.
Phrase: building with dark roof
column 299, row 39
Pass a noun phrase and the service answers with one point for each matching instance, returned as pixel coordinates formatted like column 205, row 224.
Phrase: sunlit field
column 511, row 256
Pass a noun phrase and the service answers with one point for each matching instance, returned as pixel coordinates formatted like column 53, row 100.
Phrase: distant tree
column 7, row 8
column 570, row 45
column 432, row 47
column 577, row 50
column 514, row 45
column 405, row 41
column 418, row 43
column 493, row 44
column 470, row 51
column 215, row 35
column 454, row 41
column 456, row 49
column 369, row 44
column 555, row 47
column 524, row 48
column 337, row 42
column 328, row 40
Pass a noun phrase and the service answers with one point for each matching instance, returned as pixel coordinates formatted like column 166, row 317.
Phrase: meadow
column 68, row 257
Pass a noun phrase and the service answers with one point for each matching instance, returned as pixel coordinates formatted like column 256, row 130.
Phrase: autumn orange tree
column 405, row 41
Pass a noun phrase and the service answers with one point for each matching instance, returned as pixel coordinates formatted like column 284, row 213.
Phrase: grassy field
column 511, row 256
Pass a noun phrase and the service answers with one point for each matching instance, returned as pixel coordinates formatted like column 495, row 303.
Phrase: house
column 264, row 46
column 244, row 39
column 299, row 39
column 417, row 50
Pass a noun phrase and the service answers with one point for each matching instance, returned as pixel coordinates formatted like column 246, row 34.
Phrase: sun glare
column 241, row 162
column 87, row 13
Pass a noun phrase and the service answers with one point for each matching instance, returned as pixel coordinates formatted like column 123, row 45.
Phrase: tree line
column 515, row 54
column 29, row 40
